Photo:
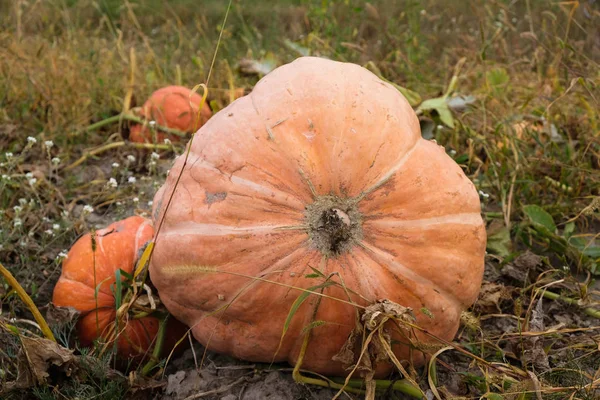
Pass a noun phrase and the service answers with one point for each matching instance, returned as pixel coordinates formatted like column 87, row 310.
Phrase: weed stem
column 28, row 302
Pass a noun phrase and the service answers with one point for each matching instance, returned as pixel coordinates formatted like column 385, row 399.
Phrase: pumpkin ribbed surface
column 93, row 265
column 322, row 166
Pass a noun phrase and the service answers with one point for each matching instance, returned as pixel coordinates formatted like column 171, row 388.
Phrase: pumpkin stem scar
column 334, row 225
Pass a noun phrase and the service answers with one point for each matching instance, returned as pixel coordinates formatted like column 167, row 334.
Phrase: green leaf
column 310, row 276
column 446, row 116
column 427, row 312
column 316, row 272
column 569, row 229
column 296, row 305
column 592, row 252
column 440, row 105
column 499, row 242
column 540, row 217
column 119, row 289
column 433, row 104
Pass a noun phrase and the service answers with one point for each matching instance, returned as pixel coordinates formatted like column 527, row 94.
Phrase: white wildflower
column 116, row 165
column 32, row 181
column 130, row 158
column 8, row 155
column 483, row 194
column 150, row 203
column 31, row 140
column 131, row 179
column 18, row 209
column 167, row 141
column 49, row 144
column 56, row 227
column 88, row 209
column 135, row 200
column 112, row 182
column 55, row 160
column 61, row 255
column 17, row 222
column 152, row 123
column 155, row 156
column 49, row 232
column 29, row 175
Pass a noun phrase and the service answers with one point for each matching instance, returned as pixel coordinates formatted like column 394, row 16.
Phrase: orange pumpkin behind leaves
column 174, row 107
column 94, row 264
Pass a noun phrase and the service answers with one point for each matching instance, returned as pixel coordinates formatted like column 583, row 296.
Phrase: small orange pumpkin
column 321, row 167
column 116, row 247
column 172, row 107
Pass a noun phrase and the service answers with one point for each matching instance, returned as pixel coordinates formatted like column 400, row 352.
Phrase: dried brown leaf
column 35, row 359
column 490, row 298
column 533, row 346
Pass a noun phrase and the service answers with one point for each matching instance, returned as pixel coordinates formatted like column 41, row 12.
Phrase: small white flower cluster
column 154, row 157
column 30, row 179
column 112, row 182
column 484, row 194
column 87, row 209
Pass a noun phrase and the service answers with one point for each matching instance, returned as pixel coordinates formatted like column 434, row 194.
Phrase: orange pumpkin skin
column 259, row 191
column 117, row 247
column 173, row 107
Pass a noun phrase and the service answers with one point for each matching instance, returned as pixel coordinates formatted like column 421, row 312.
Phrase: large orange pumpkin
column 173, row 107
column 116, row 247
column 321, row 166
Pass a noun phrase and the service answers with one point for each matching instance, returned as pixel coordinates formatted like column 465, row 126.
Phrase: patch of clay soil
column 224, row 378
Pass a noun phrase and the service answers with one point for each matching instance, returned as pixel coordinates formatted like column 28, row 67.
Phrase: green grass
column 529, row 140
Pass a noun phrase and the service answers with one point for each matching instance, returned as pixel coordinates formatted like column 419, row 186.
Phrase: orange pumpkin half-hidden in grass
column 175, row 107
column 322, row 167
column 89, row 265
